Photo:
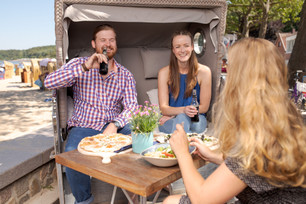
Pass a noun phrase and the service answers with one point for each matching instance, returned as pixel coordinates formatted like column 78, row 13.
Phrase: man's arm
column 66, row 75
column 129, row 101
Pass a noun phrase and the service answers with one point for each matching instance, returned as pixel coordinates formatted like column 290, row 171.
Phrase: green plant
column 145, row 118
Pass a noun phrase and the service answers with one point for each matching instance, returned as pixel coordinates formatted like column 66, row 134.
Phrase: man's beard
column 109, row 55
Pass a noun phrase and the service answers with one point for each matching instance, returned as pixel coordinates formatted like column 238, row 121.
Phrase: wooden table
column 128, row 171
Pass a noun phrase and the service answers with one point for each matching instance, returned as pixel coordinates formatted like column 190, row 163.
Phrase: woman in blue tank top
column 176, row 83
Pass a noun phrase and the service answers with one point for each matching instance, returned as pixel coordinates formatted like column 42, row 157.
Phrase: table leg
column 156, row 196
column 60, row 183
column 114, row 194
column 143, row 200
column 127, row 196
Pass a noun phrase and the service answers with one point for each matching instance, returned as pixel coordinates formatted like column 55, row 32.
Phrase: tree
column 239, row 17
column 35, row 52
column 297, row 60
column 246, row 14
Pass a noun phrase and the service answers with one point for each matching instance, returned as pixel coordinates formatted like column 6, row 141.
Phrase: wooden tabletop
column 128, row 171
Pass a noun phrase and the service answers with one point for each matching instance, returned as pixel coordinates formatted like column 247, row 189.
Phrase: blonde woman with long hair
column 261, row 133
column 176, row 83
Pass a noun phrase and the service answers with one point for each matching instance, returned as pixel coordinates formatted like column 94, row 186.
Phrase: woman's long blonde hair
column 255, row 120
column 174, row 76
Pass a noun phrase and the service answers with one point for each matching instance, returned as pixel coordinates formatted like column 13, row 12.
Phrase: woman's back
column 260, row 191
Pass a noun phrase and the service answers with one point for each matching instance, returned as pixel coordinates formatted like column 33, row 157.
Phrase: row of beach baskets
column 29, row 71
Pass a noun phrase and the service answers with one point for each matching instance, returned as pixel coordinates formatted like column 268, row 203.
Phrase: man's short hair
column 100, row 28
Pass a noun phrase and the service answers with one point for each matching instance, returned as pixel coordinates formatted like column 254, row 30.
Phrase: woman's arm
column 204, row 79
column 219, row 187
column 163, row 94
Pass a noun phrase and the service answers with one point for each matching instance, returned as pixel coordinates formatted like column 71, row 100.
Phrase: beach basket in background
column 9, row 70
column 17, row 70
column 26, row 73
column 51, row 67
column 47, row 66
column 35, row 71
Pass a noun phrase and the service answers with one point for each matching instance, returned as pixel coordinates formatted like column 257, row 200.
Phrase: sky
column 26, row 23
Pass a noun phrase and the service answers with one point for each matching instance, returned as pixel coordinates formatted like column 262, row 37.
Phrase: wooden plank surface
column 128, row 171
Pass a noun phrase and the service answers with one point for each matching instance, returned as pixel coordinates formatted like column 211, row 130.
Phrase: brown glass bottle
column 104, row 66
column 194, row 102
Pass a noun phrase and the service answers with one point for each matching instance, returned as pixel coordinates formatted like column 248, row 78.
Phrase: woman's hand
column 204, row 152
column 179, row 141
column 190, row 111
column 164, row 118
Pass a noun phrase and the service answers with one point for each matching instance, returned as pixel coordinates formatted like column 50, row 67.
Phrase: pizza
column 104, row 143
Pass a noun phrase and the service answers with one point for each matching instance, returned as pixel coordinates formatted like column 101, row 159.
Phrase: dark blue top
column 181, row 100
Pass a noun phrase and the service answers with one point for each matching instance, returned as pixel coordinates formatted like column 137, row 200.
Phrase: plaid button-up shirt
column 97, row 101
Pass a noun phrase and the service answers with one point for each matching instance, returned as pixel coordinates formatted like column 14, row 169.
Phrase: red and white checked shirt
column 97, row 101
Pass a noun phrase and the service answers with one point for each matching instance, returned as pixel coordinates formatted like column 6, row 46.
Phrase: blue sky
column 26, row 23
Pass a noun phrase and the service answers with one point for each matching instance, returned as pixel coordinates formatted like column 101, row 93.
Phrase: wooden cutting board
column 105, row 155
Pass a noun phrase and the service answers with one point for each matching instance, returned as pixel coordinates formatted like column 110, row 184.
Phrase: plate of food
column 209, row 141
column 105, row 146
column 162, row 155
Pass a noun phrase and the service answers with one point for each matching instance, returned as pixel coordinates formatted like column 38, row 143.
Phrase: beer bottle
column 104, row 66
column 194, row 102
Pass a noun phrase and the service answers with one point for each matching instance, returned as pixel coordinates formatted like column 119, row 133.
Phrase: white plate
column 209, row 141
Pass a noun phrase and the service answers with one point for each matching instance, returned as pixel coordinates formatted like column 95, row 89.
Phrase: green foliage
column 35, row 52
column 246, row 15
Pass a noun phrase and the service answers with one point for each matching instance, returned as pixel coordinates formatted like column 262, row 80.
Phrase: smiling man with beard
column 101, row 102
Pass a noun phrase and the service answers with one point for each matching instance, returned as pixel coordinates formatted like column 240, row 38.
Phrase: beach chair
column 144, row 29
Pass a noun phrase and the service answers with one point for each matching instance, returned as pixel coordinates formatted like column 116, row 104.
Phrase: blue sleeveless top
column 181, row 100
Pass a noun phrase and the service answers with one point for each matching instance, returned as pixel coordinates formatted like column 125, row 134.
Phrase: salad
column 161, row 152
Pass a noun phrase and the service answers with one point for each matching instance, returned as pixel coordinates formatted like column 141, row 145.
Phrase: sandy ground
column 22, row 108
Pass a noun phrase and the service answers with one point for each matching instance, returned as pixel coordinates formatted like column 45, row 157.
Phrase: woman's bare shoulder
column 163, row 71
column 204, row 70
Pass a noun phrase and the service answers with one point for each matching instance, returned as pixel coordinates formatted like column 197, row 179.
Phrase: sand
column 22, row 108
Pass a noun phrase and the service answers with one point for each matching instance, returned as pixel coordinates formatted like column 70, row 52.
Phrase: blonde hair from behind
column 254, row 118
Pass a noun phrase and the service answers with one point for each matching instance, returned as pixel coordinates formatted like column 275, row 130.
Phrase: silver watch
column 117, row 124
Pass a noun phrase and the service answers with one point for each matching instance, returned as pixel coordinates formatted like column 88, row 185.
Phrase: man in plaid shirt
column 101, row 102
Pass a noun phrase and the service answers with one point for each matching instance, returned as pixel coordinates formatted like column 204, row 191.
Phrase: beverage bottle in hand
column 104, row 66
column 195, row 103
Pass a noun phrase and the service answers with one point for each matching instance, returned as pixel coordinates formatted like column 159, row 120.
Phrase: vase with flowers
column 143, row 121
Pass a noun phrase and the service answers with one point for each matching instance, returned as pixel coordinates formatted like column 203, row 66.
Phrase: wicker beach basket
column 219, row 7
column 35, row 69
column 9, row 70
column 66, row 27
